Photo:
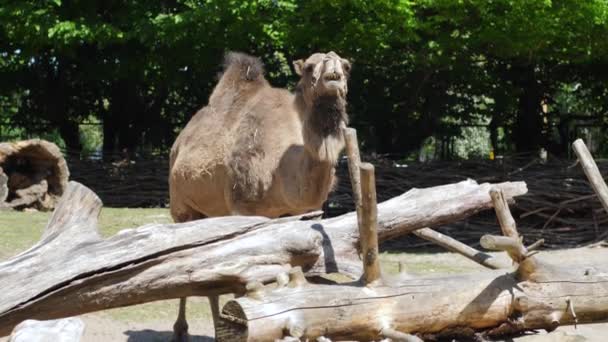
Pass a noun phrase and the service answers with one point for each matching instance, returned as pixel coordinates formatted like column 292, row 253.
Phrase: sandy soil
column 153, row 321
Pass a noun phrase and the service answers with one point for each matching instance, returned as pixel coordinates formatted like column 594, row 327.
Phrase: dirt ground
column 154, row 321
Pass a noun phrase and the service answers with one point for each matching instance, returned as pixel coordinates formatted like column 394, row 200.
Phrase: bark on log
column 593, row 173
column 493, row 302
column 72, row 264
column 37, row 173
column 368, row 227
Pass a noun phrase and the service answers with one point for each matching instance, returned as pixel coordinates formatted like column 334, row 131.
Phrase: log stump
column 35, row 174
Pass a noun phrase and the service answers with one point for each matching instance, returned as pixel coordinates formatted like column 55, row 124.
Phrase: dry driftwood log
column 500, row 302
column 72, row 270
column 533, row 295
column 37, row 174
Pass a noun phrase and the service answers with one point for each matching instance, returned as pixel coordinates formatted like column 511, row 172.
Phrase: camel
column 259, row 150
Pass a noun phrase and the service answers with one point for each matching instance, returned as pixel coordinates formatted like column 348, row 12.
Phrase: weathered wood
column 354, row 161
column 397, row 336
column 493, row 302
column 511, row 242
column 503, row 213
column 37, row 173
column 593, row 173
column 511, row 245
column 368, row 229
column 72, row 264
column 30, row 195
column 458, row 247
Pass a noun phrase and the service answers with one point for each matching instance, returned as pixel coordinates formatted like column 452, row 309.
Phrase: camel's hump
column 249, row 67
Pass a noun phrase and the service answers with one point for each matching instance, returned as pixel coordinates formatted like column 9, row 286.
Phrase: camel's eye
column 346, row 65
column 309, row 68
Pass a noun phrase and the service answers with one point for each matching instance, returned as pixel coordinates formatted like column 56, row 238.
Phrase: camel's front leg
column 214, row 302
column 180, row 327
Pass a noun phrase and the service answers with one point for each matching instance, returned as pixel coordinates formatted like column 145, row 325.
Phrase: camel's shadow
column 148, row 335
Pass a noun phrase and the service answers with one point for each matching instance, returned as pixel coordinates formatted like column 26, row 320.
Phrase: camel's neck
column 323, row 119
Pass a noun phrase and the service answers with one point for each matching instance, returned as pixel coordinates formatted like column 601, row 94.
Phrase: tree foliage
column 421, row 68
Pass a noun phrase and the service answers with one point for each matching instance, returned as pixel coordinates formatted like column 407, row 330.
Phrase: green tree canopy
column 421, row 68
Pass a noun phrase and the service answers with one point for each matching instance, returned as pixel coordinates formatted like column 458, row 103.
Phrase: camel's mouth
column 334, row 82
column 332, row 77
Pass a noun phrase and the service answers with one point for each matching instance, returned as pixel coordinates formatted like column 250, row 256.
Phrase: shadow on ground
column 148, row 335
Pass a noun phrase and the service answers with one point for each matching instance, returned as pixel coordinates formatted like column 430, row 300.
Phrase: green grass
column 164, row 310
column 20, row 230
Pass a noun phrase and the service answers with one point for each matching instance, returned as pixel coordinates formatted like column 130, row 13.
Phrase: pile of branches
column 560, row 206
column 139, row 181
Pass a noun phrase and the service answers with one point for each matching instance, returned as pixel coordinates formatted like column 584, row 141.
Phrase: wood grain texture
column 593, row 173
column 494, row 302
column 368, row 227
column 72, row 265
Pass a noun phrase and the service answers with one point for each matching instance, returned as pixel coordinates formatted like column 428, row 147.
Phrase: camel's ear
column 299, row 66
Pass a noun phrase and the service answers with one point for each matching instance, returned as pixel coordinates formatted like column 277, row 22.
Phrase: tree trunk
column 70, row 133
column 72, row 270
column 529, row 133
column 496, row 302
column 109, row 136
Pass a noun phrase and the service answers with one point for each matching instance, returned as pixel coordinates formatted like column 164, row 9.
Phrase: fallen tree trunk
column 534, row 295
column 496, row 302
column 72, row 270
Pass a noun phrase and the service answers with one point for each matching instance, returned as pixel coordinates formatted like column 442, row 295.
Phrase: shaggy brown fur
column 259, row 150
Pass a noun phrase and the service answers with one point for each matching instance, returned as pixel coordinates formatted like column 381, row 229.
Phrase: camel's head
column 323, row 74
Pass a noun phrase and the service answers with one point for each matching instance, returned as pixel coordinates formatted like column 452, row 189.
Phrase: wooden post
column 368, row 230
column 354, row 161
column 503, row 213
column 363, row 183
column 593, row 173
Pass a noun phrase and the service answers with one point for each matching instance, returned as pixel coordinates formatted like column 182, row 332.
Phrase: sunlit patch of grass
column 21, row 230
column 112, row 220
column 165, row 310
column 424, row 263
